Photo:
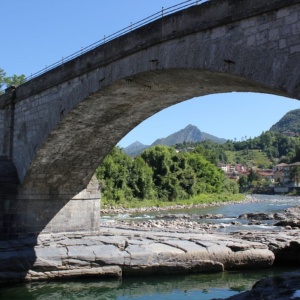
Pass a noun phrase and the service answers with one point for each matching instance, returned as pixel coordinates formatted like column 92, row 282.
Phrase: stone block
column 218, row 32
column 295, row 48
column 282, row 44
column 283, row 12
column 108, row 255
column 251, row 40
column 274, row 34
column 81, row 252
column 291, row 18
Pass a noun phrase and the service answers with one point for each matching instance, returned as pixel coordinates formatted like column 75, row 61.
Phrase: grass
column 249, row 158
column 200, row 199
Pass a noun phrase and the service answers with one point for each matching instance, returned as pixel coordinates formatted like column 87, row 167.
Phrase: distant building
column 233, row 171
column 266, row 174
column 282, row 174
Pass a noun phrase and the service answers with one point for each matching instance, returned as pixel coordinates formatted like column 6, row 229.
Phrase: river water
column 264, row 204
column 199, row 286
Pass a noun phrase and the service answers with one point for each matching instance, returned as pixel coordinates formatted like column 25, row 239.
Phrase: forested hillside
column 263, row 151
column 289, row 124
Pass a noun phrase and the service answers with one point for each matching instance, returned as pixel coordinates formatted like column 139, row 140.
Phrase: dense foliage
column 161, row 173
column 6, row 81
column 263, row 151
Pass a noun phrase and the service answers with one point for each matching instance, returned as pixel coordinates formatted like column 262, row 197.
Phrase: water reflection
column 198, row 286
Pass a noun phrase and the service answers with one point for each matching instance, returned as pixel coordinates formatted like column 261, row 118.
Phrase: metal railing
column 162, row 13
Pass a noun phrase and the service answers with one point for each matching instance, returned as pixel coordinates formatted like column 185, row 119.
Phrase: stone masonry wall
column 29, row 214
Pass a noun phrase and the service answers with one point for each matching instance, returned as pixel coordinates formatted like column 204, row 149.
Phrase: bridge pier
column 26, row 213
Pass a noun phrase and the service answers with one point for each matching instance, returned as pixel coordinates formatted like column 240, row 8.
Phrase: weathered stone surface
column 105, row 271
column 108, row 254
column 132, row 251
column 285, row 244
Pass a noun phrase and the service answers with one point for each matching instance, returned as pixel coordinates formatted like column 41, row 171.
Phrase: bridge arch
column 76, row 147
column 68, row 119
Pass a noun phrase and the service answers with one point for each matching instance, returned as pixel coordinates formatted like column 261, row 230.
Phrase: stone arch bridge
column 57, row 128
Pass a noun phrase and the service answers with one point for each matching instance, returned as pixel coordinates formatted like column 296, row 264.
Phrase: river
column 199, row 286
column 264, row 204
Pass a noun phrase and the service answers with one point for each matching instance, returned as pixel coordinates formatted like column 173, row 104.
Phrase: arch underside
column 76, row 147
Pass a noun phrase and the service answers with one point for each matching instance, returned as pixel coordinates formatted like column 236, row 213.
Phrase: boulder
column 257, row 216
column 285, row 244
column 283, row 287
column 288, row 222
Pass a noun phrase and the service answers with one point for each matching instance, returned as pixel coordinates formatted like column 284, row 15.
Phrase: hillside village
column 282, row 175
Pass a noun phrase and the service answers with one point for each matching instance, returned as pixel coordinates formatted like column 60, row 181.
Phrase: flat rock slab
column 127, row 252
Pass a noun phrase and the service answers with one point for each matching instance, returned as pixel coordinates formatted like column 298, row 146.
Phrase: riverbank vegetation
column 202, row 199
column 162, row 176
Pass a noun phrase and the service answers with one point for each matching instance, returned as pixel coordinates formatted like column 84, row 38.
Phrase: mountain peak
column 190, row 133
column 190, row 126
column 135, row 148
column 137, row 143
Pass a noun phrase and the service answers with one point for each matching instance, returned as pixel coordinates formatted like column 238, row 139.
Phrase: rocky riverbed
column 288, row 219
column 166, row 245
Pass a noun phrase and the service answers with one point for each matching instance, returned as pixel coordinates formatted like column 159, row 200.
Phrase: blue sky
column 37, row 33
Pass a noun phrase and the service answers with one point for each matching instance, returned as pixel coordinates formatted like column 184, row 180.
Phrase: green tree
column 14, row 80
column 253, row 176
column 209, row 177
column 243, row 182
column 113, row 175
column 10, row 80
column 141, row 180
column 230, row 186
column 166, row 165
column 295, row 174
